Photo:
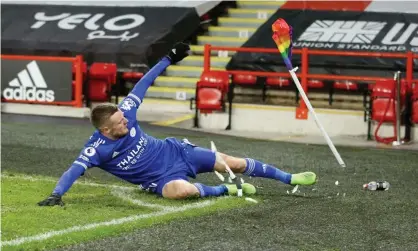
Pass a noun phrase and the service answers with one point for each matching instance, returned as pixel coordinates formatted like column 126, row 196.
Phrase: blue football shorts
column 191, row 161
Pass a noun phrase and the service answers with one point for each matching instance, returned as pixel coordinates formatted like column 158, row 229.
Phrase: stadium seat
column 414, row 116
column 345, row 85
column 209, row 99
column 244, row 79
column 383, row 106
column 101, row 76
column 383, row 109
column 210, row 93
column 383, row 100
column 132, row 75
column 211, row 90
column 215, row 79
column 98, row 90
column 255, row 86
column 312, row 83
column 277, row 82
column 103, row 71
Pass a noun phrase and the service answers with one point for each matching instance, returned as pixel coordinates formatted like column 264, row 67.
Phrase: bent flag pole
column 282, row 36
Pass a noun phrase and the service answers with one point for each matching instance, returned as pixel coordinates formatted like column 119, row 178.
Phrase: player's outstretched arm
column 178, row 53
column 88, row 158
column 65, row 182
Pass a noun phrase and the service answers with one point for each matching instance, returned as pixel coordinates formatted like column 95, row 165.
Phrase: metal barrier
column 304, row 75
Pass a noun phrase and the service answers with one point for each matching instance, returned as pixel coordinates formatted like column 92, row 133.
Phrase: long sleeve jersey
column 137, row 157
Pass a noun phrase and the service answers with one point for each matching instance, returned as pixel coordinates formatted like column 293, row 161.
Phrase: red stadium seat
column 312, row 83
column 280, row 82
column 383, row 100
column 101, row 77
column 414, row 116
column 385, row 89
column 415, row 91
column 98, row 90
column 103, row 71
column 210, row 92
column 132, row 75
column 216, row 79
column 383, row 109
column 383, row 103
column 345, row 85
column 209, row 99
column 127, row 75
column 244, row 79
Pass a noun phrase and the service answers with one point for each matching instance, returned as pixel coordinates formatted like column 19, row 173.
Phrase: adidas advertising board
column 338, row 31
column 39, row 81
column 128, row 36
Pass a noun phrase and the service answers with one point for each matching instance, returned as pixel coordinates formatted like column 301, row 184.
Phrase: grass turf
column 328, row 218
column 22, row 218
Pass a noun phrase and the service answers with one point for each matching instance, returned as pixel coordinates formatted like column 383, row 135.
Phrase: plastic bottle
column 380, row 185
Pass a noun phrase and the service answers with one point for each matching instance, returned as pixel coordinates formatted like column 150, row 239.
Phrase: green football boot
column 247, row 189
column 304, row 179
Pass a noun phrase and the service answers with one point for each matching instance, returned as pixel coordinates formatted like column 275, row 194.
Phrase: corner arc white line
column 50, row 234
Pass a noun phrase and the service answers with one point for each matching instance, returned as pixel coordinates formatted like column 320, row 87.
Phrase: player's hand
column 52, row 200
column 179, row 52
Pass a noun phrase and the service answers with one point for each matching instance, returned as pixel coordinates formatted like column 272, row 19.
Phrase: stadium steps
column 177, row 93
column 194, row 60
column 272, row 5
column 198, row 50
column 251, row 13
column 240, row 22
column 187, row 71
column 233, row 30
column 170, row 81
column 221, row 41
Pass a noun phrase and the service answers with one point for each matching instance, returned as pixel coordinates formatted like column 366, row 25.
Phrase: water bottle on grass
column 379, row 185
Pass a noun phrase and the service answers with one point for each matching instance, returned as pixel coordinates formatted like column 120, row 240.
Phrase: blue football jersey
column 137, row 157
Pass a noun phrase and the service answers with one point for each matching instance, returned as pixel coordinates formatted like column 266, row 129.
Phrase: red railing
column 77, row 61
column 304, row 74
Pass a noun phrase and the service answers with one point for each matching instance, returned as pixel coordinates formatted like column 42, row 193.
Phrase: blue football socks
column 206, row 191
column 256, row 168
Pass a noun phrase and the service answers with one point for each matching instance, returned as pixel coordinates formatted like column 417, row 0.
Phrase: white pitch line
column 165, row 210
column 50, row 234
column 31, row 178
column 124, row 195
column 128, row 197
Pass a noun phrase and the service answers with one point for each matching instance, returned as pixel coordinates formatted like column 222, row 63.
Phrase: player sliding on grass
column 120, row 147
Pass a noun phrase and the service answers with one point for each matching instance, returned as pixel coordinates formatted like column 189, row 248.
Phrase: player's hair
column 101, row 113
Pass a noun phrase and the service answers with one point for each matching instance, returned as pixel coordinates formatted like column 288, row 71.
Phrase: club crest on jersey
column 132, row 132
column 127, row 104
column 90, row 151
